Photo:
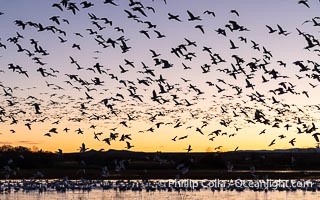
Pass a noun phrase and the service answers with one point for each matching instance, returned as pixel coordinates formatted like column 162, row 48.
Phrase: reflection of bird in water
column 119, row 165
column 105, row 172
column 229, row 166
column 182, row 168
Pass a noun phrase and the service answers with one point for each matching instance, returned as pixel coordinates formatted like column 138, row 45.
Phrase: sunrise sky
column 188, row 101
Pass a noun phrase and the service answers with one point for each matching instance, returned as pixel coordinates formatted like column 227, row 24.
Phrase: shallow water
column 159, row 189
column 111, row 194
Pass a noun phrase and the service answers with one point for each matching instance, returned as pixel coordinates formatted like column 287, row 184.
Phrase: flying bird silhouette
column 189, row 149
column 192, row 17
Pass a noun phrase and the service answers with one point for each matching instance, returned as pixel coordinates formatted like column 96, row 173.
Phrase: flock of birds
column 152, row 91
column 65, row 185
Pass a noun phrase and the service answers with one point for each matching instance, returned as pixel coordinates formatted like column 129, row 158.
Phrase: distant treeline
column 22, row 162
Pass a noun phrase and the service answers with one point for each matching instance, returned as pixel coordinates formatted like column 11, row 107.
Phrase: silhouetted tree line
column 9, row 148
column 23, row 158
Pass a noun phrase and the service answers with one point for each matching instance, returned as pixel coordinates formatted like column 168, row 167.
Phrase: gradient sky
column 61, row 108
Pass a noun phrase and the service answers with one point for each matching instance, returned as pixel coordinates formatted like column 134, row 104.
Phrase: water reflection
column 159, row 189
column 111, row 194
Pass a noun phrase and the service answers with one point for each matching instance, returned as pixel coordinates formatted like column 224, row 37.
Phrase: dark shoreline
column 95, row 174
column 291, row 164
